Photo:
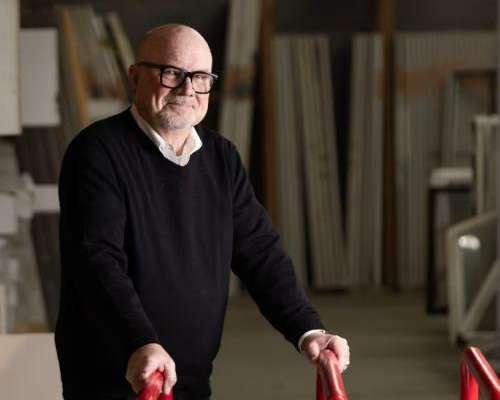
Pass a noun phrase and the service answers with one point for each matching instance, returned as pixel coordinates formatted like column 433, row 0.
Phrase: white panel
column 10, row 122
column 39, row 77
column 46, row 199
column 8, row 215
column 28, row 367
column 317, row 135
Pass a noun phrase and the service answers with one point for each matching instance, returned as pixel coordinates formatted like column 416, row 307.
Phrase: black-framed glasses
column 173, row 77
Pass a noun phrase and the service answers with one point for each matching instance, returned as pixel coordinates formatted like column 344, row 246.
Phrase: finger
column 147, row 370
column 343, row 362
column 342, row 365
column 311, row 350
column 134, row 382
column 341, row 349
column 170, row 379
column 339, row 346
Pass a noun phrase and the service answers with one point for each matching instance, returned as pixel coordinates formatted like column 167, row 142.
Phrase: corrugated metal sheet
column 423, row 63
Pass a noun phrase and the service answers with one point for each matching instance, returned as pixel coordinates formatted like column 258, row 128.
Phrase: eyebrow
column 194, row 70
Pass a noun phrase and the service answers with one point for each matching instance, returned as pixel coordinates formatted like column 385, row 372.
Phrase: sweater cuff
column 305, row 335
column 139, row 342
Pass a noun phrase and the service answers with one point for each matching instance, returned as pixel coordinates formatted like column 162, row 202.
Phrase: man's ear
column 133, row 77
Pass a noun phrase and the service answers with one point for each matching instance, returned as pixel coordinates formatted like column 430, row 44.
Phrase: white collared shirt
column 193, row 142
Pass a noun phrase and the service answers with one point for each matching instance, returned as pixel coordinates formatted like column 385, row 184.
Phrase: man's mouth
column 180, row 105
column 179, row 102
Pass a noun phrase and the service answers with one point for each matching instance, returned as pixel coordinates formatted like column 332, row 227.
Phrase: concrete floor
column 397, row 352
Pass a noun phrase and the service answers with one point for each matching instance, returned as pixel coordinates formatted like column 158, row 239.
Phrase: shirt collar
column 193, row 141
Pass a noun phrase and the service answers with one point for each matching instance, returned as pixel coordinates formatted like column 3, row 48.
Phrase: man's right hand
column 146, row 360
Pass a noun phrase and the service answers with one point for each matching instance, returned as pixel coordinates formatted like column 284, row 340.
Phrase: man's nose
column 186, row 88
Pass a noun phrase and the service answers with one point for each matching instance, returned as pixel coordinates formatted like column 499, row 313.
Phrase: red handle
column 329, row 382
column 475, row 370
column 153, row 389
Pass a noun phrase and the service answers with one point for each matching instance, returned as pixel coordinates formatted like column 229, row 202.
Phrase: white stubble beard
column 170, row 120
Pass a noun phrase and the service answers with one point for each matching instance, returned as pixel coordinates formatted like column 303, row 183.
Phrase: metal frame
column 484, row 127
column 461, row 182
column 464, row 321
column 454, row 116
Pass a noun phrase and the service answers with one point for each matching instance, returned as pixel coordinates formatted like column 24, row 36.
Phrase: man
column 155, row 212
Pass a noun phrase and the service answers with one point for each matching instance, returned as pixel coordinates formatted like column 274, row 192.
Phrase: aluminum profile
column 291, row 218
column 365, row 174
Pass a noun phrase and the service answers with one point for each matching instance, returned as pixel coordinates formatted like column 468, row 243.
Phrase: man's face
column 171, row 109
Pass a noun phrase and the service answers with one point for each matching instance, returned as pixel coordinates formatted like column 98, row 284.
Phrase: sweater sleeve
column 93, row 210
column 260, row 262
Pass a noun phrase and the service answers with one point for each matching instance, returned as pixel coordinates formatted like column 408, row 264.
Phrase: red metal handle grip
column 474, row 369
column 329, row 382
column 153, row 389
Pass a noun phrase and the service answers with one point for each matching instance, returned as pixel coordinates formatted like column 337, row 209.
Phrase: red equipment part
column 331, row 388
column 474, row 371
column 153, row 389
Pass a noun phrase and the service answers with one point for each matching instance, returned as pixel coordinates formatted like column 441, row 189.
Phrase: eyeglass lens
column 173, row 78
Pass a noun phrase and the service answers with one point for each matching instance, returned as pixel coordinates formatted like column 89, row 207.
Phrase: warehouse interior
column 368, row 131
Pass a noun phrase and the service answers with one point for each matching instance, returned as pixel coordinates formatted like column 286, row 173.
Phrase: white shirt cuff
column 308, row 333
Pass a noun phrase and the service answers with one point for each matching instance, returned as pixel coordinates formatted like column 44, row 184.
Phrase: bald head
column 170, row 110
column 167, row 41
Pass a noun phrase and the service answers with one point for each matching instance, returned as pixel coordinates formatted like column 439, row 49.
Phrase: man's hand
column 146, row 360
column 316, row 342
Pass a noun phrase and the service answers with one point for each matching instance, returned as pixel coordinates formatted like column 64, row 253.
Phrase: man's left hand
column 316, row 342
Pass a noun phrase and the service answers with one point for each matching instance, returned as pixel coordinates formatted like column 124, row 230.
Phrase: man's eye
column 201, row 77
column 172, row 73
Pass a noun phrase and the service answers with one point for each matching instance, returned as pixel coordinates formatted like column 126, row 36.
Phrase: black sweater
column 146, row 250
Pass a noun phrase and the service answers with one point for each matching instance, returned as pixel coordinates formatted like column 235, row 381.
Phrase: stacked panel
column 308, row 170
